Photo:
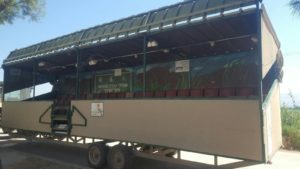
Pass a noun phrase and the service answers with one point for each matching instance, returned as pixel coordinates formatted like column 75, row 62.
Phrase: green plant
column 291, row 126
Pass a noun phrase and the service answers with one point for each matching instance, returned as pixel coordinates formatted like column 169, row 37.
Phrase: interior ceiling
column 205, row 39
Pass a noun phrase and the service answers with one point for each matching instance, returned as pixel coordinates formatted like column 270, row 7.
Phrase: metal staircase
column 61, row 120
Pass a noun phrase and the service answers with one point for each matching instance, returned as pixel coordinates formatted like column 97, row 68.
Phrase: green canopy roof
column 169, row 17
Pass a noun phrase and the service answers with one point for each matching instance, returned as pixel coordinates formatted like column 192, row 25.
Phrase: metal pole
column 189, row 74
column 144, row 62
column 33, row 80
column 78, row 66
column 178, row 154
column 4, row 81
column 215, row 160
column 260, row 74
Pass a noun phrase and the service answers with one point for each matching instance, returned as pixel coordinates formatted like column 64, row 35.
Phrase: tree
column 295, row 5
column 13, row 9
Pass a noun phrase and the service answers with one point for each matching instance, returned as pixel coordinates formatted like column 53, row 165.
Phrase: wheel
column 97, row 155
column 119, row 157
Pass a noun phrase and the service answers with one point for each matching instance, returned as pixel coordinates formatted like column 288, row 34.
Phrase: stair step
column 61, row 132
column 60, row 118
column 61, row 127
column 61, row 108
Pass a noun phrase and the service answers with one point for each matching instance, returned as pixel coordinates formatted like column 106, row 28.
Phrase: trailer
column 200, row 76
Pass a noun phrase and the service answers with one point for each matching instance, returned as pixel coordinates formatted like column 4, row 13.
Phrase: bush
column 291, row 127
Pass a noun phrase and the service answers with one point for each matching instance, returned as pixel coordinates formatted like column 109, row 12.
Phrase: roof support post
column 33, row 80
column 259, row 73
column 78, row 67
column 4, row 82
column 144, row 62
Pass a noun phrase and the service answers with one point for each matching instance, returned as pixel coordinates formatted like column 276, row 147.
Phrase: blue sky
column 66, row 16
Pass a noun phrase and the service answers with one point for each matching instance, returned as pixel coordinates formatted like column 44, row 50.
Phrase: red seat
column 96, row 96
column 139, row 94
column 183, row 92
column 103, row 95
column 245, row 91
column 171, row 93
column 112, row 95
column 129, row 95
column 196, row 92
column 227, row 91
column 83, row 96
column 160, row 94
column 211, row 92
column 120, row 95
column 149, row 94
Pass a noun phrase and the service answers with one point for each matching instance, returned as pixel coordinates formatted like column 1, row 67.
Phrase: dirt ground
column 16, row 160
column 36, row 163
column 19, row 154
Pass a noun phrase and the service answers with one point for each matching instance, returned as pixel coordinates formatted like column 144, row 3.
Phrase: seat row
column 180, row 93
column 201, row 92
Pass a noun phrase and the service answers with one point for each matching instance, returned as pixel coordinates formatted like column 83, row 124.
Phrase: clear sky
column 66, row 16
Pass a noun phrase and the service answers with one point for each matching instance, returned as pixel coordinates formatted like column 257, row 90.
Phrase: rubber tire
column 119, row 150
column 102, row 149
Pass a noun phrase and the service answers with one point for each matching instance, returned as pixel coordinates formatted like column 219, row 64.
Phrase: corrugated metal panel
column 157, row 19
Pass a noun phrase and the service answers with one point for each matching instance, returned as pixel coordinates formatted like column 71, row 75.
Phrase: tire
column 96, row 155
column 119, row 157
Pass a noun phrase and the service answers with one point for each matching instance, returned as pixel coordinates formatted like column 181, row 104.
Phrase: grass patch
column 291, row 127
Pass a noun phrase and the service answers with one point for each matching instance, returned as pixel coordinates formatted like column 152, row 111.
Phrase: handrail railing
column 75, row 109
column 44, row 113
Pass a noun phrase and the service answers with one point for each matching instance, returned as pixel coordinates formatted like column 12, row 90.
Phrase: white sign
column 118, row 72
column 182, row 66
column 97, row 110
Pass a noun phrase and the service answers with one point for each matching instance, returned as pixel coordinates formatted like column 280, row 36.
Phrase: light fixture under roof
column 166, row 51
column 254, row 39
column 93, row 62
column 152, row 44
column 41, row 64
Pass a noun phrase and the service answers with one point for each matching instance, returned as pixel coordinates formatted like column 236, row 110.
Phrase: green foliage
column 295, row 6
column 291, row 126
column 12, row 9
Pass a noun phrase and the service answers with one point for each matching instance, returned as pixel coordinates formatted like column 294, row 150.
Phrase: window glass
column 232, row 70
column 164, row 77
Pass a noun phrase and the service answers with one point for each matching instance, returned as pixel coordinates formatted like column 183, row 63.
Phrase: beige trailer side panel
column 270, row 46
column 25, row 115
column 273, row 121
column 222, row 127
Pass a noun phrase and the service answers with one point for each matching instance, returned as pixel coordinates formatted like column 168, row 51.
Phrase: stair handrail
column 43, row 114
column 75, row 109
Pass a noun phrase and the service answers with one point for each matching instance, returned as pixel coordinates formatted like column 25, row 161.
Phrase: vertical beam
column 144, row 61
column 78, row 67
column 259, row 73
column 33, row 80
column 215, row 160
column 4, row 82
column 178, row 154
column 189, row 74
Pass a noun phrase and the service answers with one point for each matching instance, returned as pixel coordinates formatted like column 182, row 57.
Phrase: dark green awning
column 169, row 17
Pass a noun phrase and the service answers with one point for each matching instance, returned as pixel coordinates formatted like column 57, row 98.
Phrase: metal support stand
column 215, row 160
column 178, row 154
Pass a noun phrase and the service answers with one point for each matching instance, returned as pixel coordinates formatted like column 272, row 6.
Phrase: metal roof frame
column 169, row 17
